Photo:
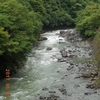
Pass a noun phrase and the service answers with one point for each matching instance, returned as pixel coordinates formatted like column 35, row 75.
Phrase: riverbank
column 96, row 49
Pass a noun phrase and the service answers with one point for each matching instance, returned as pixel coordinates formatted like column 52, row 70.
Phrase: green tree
column 20, row 28
column 88, row 20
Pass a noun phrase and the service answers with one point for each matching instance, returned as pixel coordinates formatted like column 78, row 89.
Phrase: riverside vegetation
column 22, row 22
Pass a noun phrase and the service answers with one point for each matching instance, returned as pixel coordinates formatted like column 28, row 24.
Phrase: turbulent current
column 49, row 75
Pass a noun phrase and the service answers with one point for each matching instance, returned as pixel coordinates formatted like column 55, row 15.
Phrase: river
column 45, row 78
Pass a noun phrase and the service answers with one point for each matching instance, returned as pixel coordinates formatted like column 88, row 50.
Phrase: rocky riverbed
column 78, row 57
column 60, row 67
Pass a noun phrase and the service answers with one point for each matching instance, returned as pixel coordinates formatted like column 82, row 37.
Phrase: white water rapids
column 40, row 71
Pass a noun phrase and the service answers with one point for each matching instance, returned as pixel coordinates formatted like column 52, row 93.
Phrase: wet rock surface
column 42, row 38
column 77, row 57
column 49, row 48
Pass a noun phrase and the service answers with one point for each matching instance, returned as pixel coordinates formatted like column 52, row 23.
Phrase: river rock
column 91, row 86
column 72, row 63
column 62, row 33
column 52, row 91
column 42, row 98
column 63, row 91
column 70, row 67
column 61, row 42
column 87, row 93
column 62, row 60
column 90, row 53
column 76, row 86
column 94, row 73
column 53, row 97
column 49, row 48
column 77, row 77
column 57, row 33
column 64, row 53
column 93, row 79
column 86, row 74
column 58, row 71
column 71, row 56
column 45, row 89
column 42, row 38
column 60, row 39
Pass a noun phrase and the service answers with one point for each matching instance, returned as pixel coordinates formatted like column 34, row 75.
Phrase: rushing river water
column 43, row 75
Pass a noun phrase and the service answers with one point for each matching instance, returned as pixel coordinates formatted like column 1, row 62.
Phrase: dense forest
column 22, row 22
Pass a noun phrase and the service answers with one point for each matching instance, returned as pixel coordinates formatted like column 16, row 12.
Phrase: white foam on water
column 1, row 97
column 19, row 79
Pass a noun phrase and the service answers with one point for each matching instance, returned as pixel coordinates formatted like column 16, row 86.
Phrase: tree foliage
column 88, row 20
column 22, row 21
